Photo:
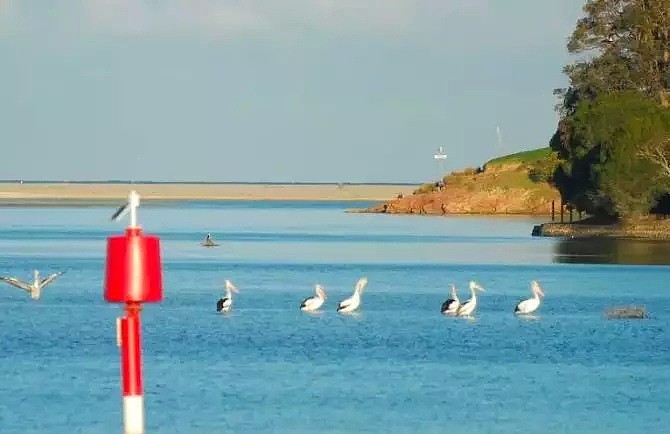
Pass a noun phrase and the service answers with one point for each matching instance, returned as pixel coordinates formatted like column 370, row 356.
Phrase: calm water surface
column 398, row 367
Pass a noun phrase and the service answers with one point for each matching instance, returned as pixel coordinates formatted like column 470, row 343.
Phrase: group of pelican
column 35, row 288
column 453, row 306
column 309, row 304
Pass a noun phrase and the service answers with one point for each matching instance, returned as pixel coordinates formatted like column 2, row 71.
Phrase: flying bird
column 34, row 288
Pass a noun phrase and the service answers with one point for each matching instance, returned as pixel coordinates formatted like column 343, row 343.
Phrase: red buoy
column 133, row 272
column 133, row 275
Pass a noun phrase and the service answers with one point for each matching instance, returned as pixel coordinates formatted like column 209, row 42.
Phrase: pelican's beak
column 480, row 288
column 539, row 290
column 230, row 286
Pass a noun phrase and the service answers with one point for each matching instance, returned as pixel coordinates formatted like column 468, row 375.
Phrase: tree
column 625, row 47
column 613, row 131
column 658, row 152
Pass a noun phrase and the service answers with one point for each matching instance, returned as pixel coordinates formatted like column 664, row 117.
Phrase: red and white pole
column 133, row 276
column 131, row 370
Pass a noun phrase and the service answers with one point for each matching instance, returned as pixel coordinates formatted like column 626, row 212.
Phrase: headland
column 512, row 185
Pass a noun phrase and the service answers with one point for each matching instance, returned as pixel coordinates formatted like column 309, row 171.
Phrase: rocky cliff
column 514, row 184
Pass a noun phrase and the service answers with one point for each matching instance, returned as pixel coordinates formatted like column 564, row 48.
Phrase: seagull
column 450, row 307
column 530, row 305
column 35, row 288
column 226, row 303
column 468, row 308
column 351, row 304
column 310, row 304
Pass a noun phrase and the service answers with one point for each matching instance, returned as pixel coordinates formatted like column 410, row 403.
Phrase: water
column 398, row 367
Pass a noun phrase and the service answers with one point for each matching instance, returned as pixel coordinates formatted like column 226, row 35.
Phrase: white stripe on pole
column 133, row 414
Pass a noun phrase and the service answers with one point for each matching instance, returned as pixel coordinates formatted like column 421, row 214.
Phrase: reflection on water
column 612, row 251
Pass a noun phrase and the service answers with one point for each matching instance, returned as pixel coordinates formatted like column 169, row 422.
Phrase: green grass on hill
column 525, row 157
column 529, row 169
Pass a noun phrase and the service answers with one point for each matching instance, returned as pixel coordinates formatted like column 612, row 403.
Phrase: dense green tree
column 625, row 46
column 618, row 131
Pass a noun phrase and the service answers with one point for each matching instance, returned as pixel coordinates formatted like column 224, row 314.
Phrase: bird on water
column 225, row 304
column 311, row 304
column 450, row 306
column 530, row 305
column 468, row 308
column 352, row 303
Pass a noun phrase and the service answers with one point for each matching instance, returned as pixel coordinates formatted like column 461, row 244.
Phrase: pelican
column 35, row 288
column 226, row 303
column 530, row 305
column 310, row 304
column 351, row 304
column 450, row 307
column 468, row 308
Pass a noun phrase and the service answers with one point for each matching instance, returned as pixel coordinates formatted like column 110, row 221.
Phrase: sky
column 275, row 90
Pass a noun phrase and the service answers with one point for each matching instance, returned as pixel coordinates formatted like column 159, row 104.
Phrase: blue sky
column 285, row 90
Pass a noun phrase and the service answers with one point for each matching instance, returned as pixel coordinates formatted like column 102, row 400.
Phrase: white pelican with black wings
column 468, row 308
column 352, row 303
column 310, row 304
column 530, row 305
column 223, row 305
column 34, row 288
column 450, row 306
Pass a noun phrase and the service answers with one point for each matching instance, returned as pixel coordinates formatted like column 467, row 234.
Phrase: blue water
column 397, row 367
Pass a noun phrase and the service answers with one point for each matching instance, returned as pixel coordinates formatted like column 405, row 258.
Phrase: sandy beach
column 57, row 193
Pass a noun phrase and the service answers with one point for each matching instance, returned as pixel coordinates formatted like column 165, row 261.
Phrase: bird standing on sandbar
column 35, row 288
column 208, row 242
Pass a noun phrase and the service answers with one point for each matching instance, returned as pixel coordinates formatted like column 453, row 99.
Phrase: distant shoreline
column 85, row 193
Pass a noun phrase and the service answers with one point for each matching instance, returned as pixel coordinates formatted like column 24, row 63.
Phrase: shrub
column 426, row 188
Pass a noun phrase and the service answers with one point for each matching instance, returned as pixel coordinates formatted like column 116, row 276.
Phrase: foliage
column 608, row 135
column 524, row 157
column 612, row 136
column 542, row 170
column 426, row 188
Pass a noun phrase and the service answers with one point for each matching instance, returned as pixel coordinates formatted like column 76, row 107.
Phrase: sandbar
column 92, row 193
